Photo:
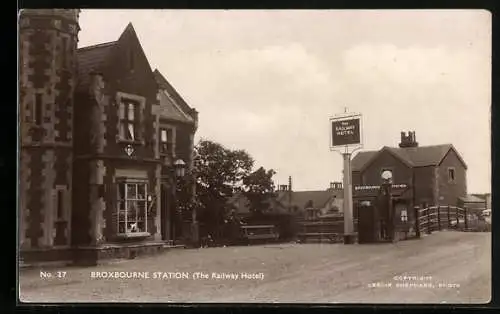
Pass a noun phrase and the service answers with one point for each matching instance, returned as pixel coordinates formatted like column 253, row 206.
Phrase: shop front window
column 132, row 208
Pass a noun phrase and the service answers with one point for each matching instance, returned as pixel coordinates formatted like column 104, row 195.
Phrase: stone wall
column 48, row 40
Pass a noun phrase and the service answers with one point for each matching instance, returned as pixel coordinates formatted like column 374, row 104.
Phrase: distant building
column 486, row 197
column 436, row 173
column 314, row 204
column 309, row 204
column 478, row 202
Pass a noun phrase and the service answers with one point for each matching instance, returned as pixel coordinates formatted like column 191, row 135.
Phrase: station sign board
column 377, row 187
column 361, row 191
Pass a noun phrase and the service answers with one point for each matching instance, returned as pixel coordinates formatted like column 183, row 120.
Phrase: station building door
column 368, row 226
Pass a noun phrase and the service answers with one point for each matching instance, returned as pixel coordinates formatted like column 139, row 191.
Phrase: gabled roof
column 483, row 196
column 471, row 199
column 421, row 156
column 172, row 107
column 92, row 59
column 165, row 85
column 301, row 198
column 362, row 158
column 242, row 206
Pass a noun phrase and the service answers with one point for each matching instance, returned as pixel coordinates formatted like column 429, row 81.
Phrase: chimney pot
column 408, row 140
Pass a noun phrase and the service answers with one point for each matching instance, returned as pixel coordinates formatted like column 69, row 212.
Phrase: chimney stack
column 335, row 185
column 408, row 140
column 289, row 183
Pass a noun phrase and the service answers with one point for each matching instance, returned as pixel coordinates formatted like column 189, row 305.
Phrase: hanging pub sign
column 345, row 131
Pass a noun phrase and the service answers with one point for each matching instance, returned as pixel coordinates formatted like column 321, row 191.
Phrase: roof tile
column 91, row 58
column 165, row 85
column 414, row 156
column 318, row 198
column 361, row 159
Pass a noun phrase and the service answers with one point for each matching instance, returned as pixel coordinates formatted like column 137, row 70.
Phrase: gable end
column 453, row 150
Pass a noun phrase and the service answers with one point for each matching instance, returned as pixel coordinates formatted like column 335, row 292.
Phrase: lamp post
column 387, row 186
column 178, row 171
column 180, row 168
column 194, row 220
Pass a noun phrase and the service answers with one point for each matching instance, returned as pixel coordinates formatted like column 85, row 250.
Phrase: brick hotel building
column 100, row 132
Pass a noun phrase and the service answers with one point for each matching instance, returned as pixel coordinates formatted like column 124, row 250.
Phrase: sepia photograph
column 254, row 156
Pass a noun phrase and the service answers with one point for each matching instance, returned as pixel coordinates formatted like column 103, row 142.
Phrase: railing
column 436, row 218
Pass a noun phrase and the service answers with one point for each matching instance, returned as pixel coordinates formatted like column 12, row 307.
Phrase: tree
column 187, row 201
column 219, row 173
column 259, row 189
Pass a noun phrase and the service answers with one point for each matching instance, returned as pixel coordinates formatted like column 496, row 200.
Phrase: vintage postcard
column 255, row 156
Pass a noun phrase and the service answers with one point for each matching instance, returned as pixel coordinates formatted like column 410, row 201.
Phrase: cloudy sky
column 268, row 81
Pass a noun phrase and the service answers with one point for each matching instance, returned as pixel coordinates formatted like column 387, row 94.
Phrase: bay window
column 132, row 207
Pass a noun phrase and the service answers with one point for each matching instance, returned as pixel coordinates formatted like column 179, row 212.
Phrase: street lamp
column 177, row 170
column 180, row 171
column 180, row 168
column 387, row 177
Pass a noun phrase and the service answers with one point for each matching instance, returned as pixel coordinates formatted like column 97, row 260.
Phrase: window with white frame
column 128, row 120
column 404, row 215
column 132, row 207
column 167, row 136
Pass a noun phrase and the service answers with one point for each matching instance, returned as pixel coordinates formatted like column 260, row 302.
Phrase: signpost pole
column 348, row 210
column 346, row 134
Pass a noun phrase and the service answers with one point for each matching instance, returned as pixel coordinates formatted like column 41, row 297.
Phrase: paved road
column 451, row 267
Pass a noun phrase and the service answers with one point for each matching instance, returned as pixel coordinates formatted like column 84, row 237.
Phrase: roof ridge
column 421, row 146
column 101, row 45
column 172, row 91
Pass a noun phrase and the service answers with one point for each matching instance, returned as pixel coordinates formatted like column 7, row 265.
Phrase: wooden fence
column 329, row 229
column 426, row 221
column 436, row 218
